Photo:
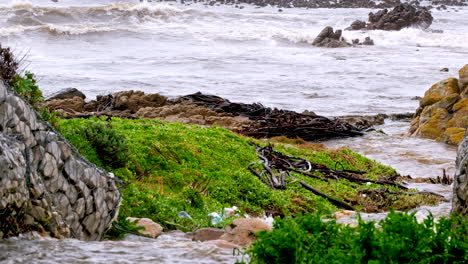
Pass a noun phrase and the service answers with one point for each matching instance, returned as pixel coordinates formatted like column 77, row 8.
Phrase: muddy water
column 248, row 55
column 173, row 247
column 416, row 157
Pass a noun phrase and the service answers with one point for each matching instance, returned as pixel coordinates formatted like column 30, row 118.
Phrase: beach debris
column 271, row 122
column 215, row 218
column 278, row 168
column 184, row 214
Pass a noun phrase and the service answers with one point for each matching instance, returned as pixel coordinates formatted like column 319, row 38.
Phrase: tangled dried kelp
column 272, row 122
column 278, row 168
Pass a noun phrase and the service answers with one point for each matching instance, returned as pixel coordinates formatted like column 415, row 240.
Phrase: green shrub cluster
column 110, row 145
column 399, row 238
column 27, row 87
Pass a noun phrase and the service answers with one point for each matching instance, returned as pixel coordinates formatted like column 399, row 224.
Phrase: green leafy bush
column 110, row 145
column 26, row 86
column 399, row 239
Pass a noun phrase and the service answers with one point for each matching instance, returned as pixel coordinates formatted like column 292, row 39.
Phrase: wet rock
column 443, row 112
column 357, row 25
column 68, row 93
column 134, row 100
column 402, row 16
column 152, row 229
column 241, row 232
column 463, row 81
column 206, row 234
column 327, row 38
column 368, row 41
column 440, row 90
column 193, row 114
column 460, row 187
column 364, row 122
column 69, row 105
column 444, row 70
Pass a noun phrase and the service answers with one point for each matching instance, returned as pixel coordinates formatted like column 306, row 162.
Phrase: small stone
column 242, row 230
column 206, row 234
column 444, row 70
column 152, row 229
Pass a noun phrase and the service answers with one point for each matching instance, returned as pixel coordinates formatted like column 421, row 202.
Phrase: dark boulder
column 368, row 41
column 402, row 16
column 67, row 93
column 330, row 39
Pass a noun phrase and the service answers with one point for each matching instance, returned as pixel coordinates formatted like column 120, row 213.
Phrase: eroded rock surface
column 460, row 186
column 443, row 111
column 45, row 184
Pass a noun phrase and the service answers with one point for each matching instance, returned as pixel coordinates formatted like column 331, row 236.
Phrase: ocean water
column 246, row 55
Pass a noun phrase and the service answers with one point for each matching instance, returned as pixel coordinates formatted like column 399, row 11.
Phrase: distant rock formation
column 330, row 39
column 45, row 184
column 443, row 111
column 402, row 16
column 460, row 186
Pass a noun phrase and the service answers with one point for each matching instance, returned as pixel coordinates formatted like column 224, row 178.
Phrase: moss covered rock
column 463, row 81
column 453, row 135
column 440, row 90
column 443, row 111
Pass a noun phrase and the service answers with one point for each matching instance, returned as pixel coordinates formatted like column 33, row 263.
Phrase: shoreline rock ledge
column 45, row 184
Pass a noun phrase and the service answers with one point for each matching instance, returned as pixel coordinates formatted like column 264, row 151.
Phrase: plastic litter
column 215, row 218
column 185, row 215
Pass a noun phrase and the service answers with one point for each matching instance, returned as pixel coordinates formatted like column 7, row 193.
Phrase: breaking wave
column 57, row 29
column 30, row 15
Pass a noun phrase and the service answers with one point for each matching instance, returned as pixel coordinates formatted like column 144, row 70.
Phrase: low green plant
column 109, row 144
column 121, row 227
column 172, row 167
column 399, row 238
column 27, row 87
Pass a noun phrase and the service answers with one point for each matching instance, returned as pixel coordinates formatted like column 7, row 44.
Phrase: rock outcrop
column 45, row 184
column 460, row 186
column 402, row 16
column 330, row 39
column 67, row 94
column 193, row 114
column 443, row 111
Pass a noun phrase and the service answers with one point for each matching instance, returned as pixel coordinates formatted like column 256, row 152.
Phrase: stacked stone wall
column 460, row 183
column 45, row 184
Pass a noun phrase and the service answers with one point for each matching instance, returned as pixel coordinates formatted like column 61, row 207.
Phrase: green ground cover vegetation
column 173, row 167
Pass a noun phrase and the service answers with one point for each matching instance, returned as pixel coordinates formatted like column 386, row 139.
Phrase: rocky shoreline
column 324, row 3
